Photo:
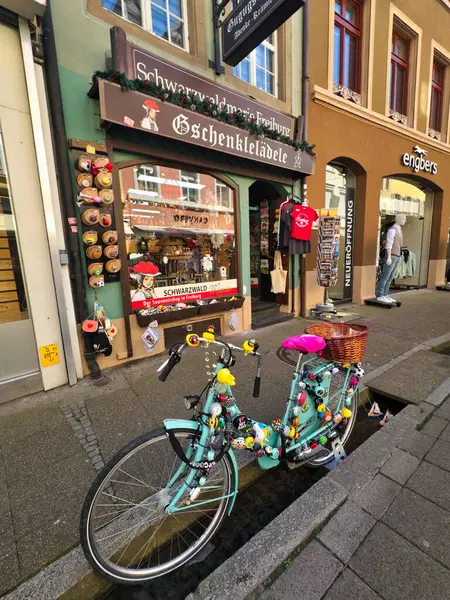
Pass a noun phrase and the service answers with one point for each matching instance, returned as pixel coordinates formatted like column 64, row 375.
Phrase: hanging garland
column 203, row 107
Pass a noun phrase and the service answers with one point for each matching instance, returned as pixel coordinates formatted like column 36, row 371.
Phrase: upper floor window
column 399, row 73
column 190, row 186
column 347, row 44
column 146, row 179
column 437, row 96
column 164, row 18
column 259, row 67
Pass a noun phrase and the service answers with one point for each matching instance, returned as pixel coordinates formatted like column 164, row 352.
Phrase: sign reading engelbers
column 138, row 111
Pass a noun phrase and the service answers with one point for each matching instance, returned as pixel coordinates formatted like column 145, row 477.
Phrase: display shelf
column 167, row 317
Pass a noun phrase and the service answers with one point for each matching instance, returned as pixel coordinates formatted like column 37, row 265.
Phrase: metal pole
column 305, row 100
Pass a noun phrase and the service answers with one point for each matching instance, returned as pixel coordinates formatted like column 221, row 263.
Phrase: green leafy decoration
column 204, row 107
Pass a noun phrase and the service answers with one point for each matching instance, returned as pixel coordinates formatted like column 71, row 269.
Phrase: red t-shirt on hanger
column 302, row 220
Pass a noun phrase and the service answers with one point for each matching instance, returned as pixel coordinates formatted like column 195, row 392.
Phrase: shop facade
column 38, row 341
column 375, row 162
column 174, row 253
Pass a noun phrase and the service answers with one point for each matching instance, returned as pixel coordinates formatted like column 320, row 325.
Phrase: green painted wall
column 83, row 43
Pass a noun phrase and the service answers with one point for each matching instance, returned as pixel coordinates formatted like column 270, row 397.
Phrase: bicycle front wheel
column 125, row 529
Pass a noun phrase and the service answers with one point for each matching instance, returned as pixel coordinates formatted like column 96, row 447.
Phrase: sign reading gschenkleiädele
column 147, row 66
column 251, row 22
column 139, row 111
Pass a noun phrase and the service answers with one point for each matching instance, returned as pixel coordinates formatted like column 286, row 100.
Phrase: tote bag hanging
column 278, row 276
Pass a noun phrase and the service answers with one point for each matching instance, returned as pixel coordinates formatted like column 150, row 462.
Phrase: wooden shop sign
column 250, row 23
column 141, row 64
column 139, row 111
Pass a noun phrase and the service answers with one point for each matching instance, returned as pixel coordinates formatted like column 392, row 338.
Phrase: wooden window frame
column 439, row 87
column 396, row 62
column 356, row 31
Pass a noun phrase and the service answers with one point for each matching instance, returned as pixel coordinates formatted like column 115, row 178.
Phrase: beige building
column 379, row 114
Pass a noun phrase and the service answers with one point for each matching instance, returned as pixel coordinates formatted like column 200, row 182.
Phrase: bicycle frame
column 197, row 455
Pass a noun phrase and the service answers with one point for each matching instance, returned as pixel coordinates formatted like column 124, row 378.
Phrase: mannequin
column 394, row 242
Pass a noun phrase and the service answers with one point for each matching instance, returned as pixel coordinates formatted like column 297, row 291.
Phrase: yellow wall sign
column 49, row 355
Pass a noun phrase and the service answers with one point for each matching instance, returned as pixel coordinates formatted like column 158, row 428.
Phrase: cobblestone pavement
column 53, row 444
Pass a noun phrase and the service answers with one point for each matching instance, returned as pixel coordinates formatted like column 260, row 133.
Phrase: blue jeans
column 387, row 275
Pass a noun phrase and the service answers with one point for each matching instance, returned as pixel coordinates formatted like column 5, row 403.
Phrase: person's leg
column 390, row 275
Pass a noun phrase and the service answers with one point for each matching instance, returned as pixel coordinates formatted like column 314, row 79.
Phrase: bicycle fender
column 177, row 423
column 193, row 426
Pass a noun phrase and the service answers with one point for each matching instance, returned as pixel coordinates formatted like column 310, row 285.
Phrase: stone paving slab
column 377, row 496
column 400, row 466
column 432, row 483
column 443, row 411
column 304, row 569
column 445, row 435
column 345, row 531
column 397, row 570
column 351, row 587
column 434, row 427
column 417, row 444
column 421, row 522
column 439, row 454
column 415, row 378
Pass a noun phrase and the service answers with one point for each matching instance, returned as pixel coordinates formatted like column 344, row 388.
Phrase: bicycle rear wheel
column 125, row 531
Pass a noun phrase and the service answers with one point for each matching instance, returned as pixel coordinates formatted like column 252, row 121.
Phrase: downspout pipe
column 64, row 176
column 305, row 109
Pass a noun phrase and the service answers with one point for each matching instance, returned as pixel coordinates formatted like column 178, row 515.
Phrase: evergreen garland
column 203, row 107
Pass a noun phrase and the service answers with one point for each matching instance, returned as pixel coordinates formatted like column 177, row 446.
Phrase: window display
column 180, row 237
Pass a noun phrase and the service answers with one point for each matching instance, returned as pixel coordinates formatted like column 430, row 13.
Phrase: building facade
column 38, row 335
column 176, row 205
column 379, row 114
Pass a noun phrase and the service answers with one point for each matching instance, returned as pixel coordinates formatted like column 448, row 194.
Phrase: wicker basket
column 346, row 342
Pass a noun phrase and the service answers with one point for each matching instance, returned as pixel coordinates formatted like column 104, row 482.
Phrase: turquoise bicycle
column 160, row 500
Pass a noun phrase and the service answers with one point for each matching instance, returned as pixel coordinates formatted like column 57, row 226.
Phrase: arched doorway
column 264, row 203
column 414, row 198
column 340, row 189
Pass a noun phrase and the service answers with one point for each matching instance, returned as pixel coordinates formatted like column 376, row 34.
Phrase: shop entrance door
column 18, row 356
column 401, row 197
column 264, row 203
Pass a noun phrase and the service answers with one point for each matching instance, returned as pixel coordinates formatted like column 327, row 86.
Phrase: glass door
column 18, row 355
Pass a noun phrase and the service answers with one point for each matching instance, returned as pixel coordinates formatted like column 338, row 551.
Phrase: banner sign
column 139, row 111
column 348, row 247
column 175, row 218
column 148, row 67
column 188, row 292
column 250, row 23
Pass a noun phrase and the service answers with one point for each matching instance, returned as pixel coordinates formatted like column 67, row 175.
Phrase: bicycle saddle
column 305, row 343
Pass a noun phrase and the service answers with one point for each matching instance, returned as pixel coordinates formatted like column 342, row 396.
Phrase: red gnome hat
column 151, row 104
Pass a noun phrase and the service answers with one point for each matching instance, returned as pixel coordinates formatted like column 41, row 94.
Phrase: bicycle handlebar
column 175, row 356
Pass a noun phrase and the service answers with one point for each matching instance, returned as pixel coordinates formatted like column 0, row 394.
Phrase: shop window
column 437, row 96
column 347, row 45
column 259, row 67
column 127, row 9
column 180, row 243
column 13, row 301
column 164, row 18
column 400, row 52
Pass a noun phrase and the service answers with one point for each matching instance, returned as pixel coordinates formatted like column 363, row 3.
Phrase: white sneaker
column 393, row 300
column 384, row 300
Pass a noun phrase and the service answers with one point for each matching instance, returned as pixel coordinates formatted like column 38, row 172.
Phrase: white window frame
column 252, row 57
column 195, row 179
column 220, row 186
column 146, row 16
column 155, row 173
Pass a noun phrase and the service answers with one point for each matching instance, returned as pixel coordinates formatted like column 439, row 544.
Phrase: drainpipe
column 64, row 176
column 305, row 108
